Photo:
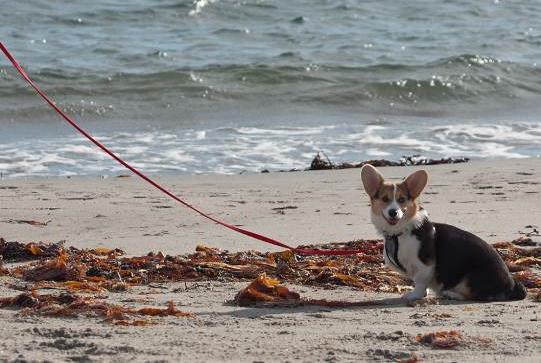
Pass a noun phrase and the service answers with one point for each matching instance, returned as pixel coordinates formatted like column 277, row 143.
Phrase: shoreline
column 253, row 149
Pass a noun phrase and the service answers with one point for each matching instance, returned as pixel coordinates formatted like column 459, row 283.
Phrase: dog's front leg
column 417, row 293
column 420, row 280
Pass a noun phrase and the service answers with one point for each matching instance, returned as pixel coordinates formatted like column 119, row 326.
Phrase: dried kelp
column 322, row 162
column 97, row 271
column 363, row 271
column 90, row 286
column 16, row 251
column 526, row 240
column 528, row 278
column 451, row 339
column 30, row 222
column 61, row 268
column 109, row 269
column 72, row 305
column 265, row 292
column 528, row 261
column 441, row 339
column 171, row 310
column 523, row 260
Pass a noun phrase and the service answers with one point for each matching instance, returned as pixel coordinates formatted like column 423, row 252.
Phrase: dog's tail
column 518, row 292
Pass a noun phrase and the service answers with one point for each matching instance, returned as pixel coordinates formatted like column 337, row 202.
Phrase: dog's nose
column 393, row 213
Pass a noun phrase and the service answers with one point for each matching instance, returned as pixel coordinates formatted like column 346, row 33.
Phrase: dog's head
column 393, row 205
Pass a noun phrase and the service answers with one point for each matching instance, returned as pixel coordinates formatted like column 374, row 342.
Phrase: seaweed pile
column 110, row 269
column 324, row 163
column 441, row 339
column 523, row 258
column 267, row 292
column 450, row 339
column 95, row 271
column 70, row 305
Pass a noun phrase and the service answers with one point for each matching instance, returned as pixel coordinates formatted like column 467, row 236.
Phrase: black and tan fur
column 445, row 259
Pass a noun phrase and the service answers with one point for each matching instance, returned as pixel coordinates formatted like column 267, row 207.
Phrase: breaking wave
column 234, row 150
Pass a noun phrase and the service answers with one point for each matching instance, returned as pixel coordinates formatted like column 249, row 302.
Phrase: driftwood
column 322, row 162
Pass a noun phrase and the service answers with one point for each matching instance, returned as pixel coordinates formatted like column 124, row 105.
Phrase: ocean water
column 218, row 86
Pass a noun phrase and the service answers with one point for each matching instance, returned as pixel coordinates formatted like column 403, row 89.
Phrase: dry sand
column 494, row 199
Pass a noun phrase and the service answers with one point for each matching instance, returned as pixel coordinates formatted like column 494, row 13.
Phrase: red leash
column 302, row 251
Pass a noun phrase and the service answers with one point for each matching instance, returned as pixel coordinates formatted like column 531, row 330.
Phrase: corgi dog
column 453, row 263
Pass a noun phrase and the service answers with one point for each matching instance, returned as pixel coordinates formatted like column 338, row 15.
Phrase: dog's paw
column 414, row 295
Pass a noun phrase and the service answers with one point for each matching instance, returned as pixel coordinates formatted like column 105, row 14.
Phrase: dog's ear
column 372, row 179
column 416, row 182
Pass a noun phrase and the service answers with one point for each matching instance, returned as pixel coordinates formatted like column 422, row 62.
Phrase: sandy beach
column 216, row 100
column 497, row 200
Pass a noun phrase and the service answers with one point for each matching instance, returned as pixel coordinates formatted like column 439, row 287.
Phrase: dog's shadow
column 376, row 304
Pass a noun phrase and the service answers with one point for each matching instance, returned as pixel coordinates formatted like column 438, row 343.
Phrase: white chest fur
column 408, row 255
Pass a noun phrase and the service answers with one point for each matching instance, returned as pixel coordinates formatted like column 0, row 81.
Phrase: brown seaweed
column 61, row 268
column 268, row 291
column 265, row 291
column 451, row 339
column 441, row 339
column 103, row 269
column 30, row 222
column 528, row 278
column 322, row 162
column 72, row 305
column 363, row 271
column 98, row 271
column 16, row 251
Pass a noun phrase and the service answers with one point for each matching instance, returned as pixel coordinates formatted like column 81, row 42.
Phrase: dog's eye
column 401, row 200
column 385, row 199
